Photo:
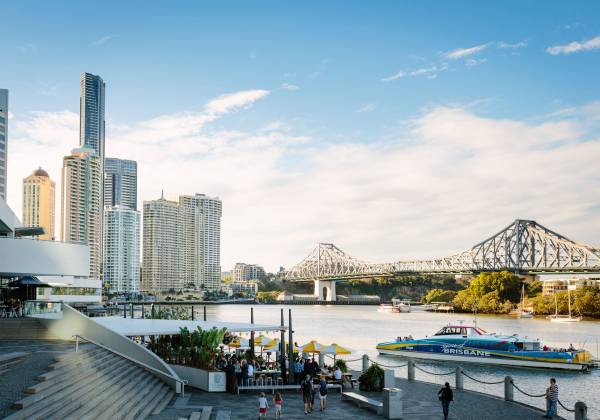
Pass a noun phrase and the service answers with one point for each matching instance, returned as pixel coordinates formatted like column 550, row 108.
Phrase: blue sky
column 340, row 79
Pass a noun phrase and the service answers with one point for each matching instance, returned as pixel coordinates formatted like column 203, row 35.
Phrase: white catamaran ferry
column 469, row 343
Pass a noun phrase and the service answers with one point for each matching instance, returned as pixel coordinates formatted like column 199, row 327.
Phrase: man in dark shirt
column 445, row 395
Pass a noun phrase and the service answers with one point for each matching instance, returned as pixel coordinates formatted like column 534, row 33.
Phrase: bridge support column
column 325, row 290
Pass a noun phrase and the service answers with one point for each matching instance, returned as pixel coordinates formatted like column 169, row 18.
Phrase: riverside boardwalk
column 420, row 403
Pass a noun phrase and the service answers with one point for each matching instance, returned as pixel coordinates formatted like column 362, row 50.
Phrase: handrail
column 157, row 372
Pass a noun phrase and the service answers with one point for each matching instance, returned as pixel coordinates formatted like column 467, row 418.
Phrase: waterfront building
column 246, row 272
column 160, row 249
column 39, row 202
column 182, row 243
column 91, row 113
column 248, row 287
column 3, row 141
column 551, row 286
column 81, row 206
column 121, row 256
column 120, row 183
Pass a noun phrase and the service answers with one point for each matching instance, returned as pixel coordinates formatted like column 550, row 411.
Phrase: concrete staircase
column 93, row 383
column 23, row 329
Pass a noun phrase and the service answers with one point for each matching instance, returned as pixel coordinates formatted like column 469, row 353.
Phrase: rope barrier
column 568, row 409
column 434, row 373
column 390, row 366
column 483, row 382
column 525, row 393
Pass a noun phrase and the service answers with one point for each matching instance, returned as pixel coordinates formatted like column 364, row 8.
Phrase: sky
column 395, row 130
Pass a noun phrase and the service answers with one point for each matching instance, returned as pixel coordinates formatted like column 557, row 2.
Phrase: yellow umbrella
column 312, row 347
column 261, row 341
column 334, row 349
column 239, row 342
column 274, row 343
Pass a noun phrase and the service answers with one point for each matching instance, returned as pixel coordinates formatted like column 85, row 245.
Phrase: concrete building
column 551, row 286
column 182, row 243
column 248, row 287
column 81, row 206
column 160, row 249
column 246, row 272
column 91, row 113
column 120, row 183
column 39, row 202
column 121, row 256
column 3, row 141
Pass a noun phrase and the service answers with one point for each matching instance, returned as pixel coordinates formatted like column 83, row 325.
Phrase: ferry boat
column 469, row 343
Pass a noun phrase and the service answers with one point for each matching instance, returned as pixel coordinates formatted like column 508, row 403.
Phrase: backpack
column 323, row 388
column 307, row 387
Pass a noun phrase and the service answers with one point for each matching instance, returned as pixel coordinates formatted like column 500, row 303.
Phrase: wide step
column 93, row 383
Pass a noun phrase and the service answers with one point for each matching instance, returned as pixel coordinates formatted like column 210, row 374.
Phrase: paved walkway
column 420, row 403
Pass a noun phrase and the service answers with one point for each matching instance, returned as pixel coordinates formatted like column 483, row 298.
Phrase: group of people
column 239, row 370
column 306, row 373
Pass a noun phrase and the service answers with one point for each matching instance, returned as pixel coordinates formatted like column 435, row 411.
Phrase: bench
column 363, row 401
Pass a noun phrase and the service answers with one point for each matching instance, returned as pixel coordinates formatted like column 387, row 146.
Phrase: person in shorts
column 323, row 393
column 278, row 401
column 263, row 405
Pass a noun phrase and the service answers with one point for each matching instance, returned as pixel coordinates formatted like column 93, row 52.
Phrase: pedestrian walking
column 307, row 393
column 263, row 406
column 445, row 395
column 278, row 402
column 551, row 399
column 323, row 393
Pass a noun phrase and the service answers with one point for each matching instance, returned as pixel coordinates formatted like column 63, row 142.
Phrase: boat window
column 463, row 332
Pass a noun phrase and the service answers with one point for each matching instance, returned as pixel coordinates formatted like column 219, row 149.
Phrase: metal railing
column 579, row 410
column 162, row 375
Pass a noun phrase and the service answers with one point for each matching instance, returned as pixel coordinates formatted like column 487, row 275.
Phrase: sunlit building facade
column 39, row 202
column 3, row 141
column 81, row 205
column 120, row 183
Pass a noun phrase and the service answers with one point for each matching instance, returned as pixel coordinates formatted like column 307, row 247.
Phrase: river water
column 362, row 327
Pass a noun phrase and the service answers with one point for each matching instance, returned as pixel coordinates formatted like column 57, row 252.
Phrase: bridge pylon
column 325, row 290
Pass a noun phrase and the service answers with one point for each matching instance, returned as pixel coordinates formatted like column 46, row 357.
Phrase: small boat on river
column 469, row 343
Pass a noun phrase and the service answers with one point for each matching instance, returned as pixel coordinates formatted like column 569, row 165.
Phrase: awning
column 28, row 281
column 138, row 327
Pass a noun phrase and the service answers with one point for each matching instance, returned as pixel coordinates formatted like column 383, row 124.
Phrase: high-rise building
column 246, row 272
column 160, row 249
column 39, row 202
column 91, row 114
column 3, row 140
column 121, row 268
column 81, row 205
column 182, row 243
column 120, row 183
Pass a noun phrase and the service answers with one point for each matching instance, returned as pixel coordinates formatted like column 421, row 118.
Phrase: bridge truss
column 523, row 247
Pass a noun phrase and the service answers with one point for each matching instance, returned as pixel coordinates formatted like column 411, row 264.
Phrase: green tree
column 439, row 295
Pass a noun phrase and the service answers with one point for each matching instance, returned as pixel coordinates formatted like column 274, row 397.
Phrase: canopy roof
column 28, row 281
column 134, row 327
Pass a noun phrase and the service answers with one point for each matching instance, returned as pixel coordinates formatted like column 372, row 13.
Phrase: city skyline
column 383, row 139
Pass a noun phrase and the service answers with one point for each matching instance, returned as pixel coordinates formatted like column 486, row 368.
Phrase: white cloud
column 393, row 77
column 102, row 40
column 472, row 62
column 366, row 108
column 231, row 101
column 573, row 47
column 507, row 46
column 289, row 86
column 465, row 52
column 446, row 182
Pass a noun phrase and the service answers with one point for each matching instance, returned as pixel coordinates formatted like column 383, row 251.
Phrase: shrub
column 372, row 379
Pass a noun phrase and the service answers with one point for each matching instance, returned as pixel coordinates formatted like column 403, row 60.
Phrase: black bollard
column 282, row 346
column 204, row 313
column 192, row 312
column 291, row 349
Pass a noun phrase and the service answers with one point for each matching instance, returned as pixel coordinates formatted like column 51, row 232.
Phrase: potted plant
column 372, row 379
column 341, row 363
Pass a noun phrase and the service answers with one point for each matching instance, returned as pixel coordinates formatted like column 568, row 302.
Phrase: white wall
column 30, row 257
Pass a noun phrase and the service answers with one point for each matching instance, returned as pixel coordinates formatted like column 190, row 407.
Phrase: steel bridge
column 523, row 247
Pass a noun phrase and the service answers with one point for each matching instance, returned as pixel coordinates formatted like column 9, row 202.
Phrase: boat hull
column 484, row 360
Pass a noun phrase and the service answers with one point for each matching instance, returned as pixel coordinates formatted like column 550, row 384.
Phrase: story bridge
column 524, row 247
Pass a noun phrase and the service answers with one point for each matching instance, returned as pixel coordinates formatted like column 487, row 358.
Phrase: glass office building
column 120, row 183
column 91, row 113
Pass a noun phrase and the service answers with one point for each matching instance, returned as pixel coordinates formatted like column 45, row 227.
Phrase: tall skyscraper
column 160, row 258
column 91, row 114
column 39, row 202
column 200, row 224
column 81, row 204
column 182, row 243
column 121, row 269
column 3, row 140
column 120, row 183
